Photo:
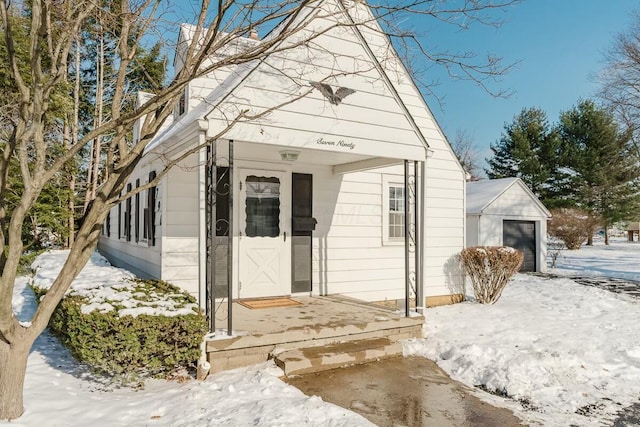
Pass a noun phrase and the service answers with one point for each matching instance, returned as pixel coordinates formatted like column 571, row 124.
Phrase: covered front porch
column 255, row 200
column 317, row 321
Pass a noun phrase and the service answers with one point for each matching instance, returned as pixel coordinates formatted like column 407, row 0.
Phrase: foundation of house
column 341, row 325
column 436, row 301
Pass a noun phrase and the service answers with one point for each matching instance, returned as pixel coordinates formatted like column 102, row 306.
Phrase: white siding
column 140, row 260
column 370, row 121
column 515, row 202
column 174, row 258
column 491, row 230
column 138, row 257
column 472, row 230
column 350, row 255
column 491, row 234
column 181, row 226
column 444, row 210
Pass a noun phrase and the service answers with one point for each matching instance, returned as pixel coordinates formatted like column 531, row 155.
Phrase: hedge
column 131, row 346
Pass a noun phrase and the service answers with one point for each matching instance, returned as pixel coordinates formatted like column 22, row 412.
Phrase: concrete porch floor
column 317, row 321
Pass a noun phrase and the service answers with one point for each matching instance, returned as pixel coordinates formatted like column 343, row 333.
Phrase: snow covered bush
column 142, row 329
column 572, row 226
column 489, row 268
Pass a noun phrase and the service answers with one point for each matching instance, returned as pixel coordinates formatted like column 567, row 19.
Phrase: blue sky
column 560, row 45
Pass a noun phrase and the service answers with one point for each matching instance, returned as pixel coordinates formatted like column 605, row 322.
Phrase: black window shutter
column 137, row 214
column 127, row 213
column 151, row 205
column 120, row 220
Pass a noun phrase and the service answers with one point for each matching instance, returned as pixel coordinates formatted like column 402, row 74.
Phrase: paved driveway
column 611, row 284
column 404, row 391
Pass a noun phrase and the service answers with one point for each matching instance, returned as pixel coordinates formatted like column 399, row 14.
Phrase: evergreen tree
column 603, row 162
column 47, row 216
column 530, row 149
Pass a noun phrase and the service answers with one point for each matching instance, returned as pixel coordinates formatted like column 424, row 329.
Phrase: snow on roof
column 480, row 194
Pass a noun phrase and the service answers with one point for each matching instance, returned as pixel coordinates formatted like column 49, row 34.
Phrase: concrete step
column 322, row 358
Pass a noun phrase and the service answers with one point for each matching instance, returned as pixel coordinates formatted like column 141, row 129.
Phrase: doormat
column 269, row 303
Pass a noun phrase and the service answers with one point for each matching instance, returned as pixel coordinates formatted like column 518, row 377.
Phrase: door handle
column 285, row 236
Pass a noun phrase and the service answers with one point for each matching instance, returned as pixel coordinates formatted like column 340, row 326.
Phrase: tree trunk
column 606, row 235
column 13, row 367
column 72, row 190
column 94, row 162
column 75, row 131
column 72, row 212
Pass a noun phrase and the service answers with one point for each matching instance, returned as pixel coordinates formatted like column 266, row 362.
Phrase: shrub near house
column 130, row 328
column 489, row 269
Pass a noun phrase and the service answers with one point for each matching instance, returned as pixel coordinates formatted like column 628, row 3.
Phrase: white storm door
column 265, row 238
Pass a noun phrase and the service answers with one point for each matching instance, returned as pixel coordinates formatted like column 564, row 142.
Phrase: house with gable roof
column 321, row 172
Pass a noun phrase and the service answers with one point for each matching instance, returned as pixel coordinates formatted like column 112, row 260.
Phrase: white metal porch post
column 407, row 239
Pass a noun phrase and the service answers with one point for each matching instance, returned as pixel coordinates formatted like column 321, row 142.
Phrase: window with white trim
column 396, row 212
column 392, row 209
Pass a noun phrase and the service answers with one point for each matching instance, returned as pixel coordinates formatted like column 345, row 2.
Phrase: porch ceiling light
column 289, row 155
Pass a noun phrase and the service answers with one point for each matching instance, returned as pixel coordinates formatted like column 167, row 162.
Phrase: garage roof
column 481, row 194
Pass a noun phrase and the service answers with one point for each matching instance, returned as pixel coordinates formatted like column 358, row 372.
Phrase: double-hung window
column 393, row 194
column 396, row 212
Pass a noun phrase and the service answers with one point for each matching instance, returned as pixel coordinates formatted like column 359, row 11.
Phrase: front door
column 265, row 237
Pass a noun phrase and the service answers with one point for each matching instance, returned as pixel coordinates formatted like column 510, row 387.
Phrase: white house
column 308, row 199
column 505, row 212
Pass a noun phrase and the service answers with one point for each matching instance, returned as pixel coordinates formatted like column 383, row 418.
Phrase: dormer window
column 182, row 103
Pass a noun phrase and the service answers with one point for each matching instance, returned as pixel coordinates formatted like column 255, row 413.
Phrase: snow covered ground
column 620, row 259
column 59, row 392
column 563, row 354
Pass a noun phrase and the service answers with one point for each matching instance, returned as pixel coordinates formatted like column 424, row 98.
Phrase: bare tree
column 620, row 78
column 466, row 151
column 39, row 76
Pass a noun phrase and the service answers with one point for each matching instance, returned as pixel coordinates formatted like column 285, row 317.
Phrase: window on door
column 262, row 206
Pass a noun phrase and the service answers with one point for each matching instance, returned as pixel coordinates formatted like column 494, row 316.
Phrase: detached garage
column 505, row 212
